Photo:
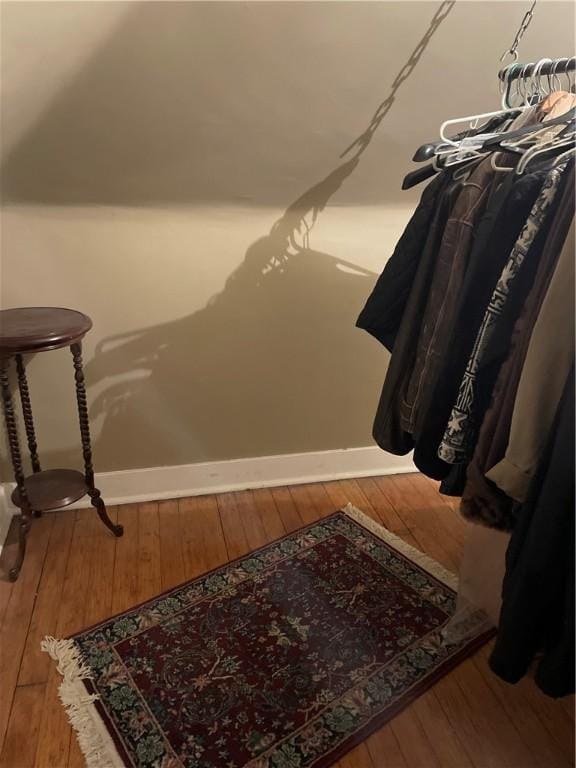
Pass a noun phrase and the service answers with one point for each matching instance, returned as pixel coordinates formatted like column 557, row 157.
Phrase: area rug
column 285, row 658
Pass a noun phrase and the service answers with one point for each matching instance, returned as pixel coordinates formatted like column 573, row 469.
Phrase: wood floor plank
column 472, row 731
column 5, row 593
column 442, row 511
column 414, row 744
column 269, row 514
column 305, row 504
column 291, row 519
column 513, row 747
column 19, row 750
column 100, row 560
column 126, row 589
column 343, row 492
column 356, row 491
column 569, row 706
column 251, row 520
column 149, row 574
column 433, row 538
column 359, row 757
column 385, row 750
column 321, row 499
column 340, row 492
column 552, row 715
column 491, row 719
column 102, row 563
column 451, row 501
column 55, row 734
column 234, row 533
column 381, row 505
column 449, row 749
column 19, row 614
column 337, row 494
column 204, row 545
column 532, row 731
column 171, row 559
column 35, row 663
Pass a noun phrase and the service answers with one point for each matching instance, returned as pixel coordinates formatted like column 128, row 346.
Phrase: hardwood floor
column 76, row 574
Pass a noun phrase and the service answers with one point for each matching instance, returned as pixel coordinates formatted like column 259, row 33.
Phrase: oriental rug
column 284, row 658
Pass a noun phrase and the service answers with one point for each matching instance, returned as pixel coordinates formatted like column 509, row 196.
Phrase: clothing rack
column 544, row 68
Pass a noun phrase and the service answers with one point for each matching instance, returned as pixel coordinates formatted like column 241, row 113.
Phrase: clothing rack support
column 555, row 66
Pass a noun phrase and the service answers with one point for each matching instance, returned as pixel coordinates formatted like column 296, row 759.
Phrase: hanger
column 416, row 177
column 543, row 149
column 497, row 142
column 426, row 151
column 503, row 141
column 564, row 155
column 501, row 113
column 421, row 174
column 515, row 145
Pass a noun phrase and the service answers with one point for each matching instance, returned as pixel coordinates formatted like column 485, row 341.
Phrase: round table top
column 37, row 329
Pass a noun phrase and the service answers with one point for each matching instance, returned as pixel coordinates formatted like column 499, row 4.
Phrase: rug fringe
column 426, row 563
column 94, row 741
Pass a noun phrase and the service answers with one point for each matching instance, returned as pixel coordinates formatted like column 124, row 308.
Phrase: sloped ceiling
column 209, row 103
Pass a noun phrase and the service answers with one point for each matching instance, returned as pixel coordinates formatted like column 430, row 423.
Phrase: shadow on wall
column 214, row 102
column 275, row 356
column 266, row 363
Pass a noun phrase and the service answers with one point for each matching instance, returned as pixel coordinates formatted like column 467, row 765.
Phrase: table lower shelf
column 52, row 489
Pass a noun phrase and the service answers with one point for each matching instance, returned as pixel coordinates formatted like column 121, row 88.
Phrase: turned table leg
column 28, row 418
column 95, row 496
column 12, row 432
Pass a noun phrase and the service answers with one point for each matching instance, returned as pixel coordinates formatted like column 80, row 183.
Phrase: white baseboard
column 157, row 483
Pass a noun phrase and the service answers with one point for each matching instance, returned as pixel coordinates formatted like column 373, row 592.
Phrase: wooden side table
column 27, row 331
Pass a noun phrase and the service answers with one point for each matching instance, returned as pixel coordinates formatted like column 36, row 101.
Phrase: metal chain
column 360, row 144
column 524, row 24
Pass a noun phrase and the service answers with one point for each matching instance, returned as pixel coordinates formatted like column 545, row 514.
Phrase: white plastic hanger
column 545, row 147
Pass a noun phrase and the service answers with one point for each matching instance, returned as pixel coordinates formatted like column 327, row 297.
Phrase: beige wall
column 148, row 151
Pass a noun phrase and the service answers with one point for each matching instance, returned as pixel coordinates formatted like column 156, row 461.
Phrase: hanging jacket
column 538, row 591
column 384, row 309
column 387, row 430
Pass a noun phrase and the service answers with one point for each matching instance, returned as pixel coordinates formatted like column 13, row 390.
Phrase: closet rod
column 547, row 67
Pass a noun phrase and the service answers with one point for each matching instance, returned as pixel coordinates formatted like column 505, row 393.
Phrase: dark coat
column 538, row 591
column 384, row 309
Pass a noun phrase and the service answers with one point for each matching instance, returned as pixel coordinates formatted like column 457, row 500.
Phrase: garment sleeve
column 546, row 369
column 384, row 309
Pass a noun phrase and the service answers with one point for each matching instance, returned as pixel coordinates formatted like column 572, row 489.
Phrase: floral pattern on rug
column 275, row 660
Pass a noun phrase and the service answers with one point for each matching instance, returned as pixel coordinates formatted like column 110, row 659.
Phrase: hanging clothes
column 447, row 280
column 476, row 306
column 496, row 234
column 386, row 305
column 482, row 501
column 449, row 270
column 475, row 389
column 538, row 593
column 548, row 361
column 421, row 245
